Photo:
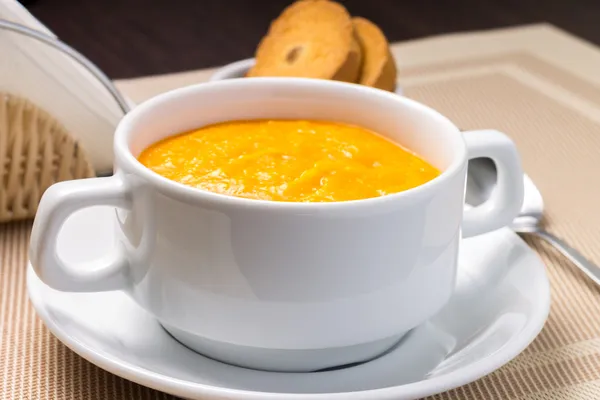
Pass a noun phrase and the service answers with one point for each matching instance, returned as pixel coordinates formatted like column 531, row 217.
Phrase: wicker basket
column 35, row 152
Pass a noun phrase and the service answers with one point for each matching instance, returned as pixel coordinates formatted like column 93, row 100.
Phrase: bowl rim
column 129, row 164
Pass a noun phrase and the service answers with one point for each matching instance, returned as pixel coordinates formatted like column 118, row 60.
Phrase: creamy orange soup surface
column 288, row 160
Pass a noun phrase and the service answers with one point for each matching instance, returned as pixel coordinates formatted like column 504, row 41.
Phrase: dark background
column 128, row 38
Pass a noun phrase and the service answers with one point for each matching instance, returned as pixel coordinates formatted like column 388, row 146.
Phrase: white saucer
column 238, row 69
column 501, row 303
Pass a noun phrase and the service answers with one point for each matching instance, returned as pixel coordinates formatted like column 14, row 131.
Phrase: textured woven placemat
column 537, row 84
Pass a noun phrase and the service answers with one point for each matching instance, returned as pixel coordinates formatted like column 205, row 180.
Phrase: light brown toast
column 378, row 65
column 313, row 39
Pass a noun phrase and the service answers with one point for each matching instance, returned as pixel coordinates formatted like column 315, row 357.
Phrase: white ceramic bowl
column 238, row 69
column 276, row 285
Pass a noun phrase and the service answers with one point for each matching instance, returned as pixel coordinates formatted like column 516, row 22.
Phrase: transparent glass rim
column 73, row 54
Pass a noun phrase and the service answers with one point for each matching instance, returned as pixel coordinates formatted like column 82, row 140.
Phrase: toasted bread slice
column 311, row 38
column 351, row 69
column 378, row 65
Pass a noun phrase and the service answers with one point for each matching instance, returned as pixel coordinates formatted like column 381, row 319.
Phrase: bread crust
column 378, row 66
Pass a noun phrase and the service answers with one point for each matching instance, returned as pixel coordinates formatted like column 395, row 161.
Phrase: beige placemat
column 539, row 85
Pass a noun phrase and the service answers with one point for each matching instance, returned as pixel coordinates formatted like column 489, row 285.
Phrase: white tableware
column 239, row 69
column 277, row 285
column 233, row 70
column 500, row 304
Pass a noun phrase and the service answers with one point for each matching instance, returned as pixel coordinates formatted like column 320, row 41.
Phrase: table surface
column 536, row 83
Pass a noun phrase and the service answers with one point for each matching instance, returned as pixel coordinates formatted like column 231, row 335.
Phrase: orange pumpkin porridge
column 288, row 160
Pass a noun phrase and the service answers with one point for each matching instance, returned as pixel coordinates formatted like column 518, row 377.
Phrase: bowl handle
column 57, row 204
column 507, row 198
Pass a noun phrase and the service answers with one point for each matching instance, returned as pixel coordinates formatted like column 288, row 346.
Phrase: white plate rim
column 423, row 388
column 232, row 70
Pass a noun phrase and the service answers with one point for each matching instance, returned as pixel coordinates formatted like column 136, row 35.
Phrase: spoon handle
column 588, row 268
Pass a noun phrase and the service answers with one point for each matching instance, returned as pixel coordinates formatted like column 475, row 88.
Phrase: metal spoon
column 481, row 181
